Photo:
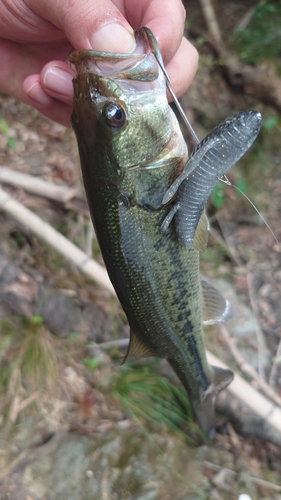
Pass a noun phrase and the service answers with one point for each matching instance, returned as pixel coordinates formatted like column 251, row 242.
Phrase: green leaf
column 217, row 195
column 37, row 319
column 11, row 143
column 270, row 122
column 4, row 126
column 241, row 185
column 73, row 335
column 91, row 363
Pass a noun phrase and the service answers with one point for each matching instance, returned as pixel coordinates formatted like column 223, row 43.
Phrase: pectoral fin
column 137, row 349
column 201, row 234
column 215, row 308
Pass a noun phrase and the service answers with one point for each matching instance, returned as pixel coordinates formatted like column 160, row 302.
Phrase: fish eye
column 114, row 115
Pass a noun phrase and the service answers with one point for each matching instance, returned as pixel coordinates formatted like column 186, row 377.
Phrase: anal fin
column 221, row 379
column 204, row 407
column 137, row 349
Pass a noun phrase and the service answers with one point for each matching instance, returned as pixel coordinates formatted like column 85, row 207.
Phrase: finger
column 88, row 24
column 51, row 92
column 53, row 108
column 26, row 62
column 18, row 61
column 21, row 24
column 56, row 79
column 182, row 68
column 165, row 18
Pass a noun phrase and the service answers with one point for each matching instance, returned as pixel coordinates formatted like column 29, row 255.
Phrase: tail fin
column 204, row 408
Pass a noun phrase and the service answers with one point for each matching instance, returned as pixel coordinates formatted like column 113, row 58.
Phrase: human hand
column 38, row 36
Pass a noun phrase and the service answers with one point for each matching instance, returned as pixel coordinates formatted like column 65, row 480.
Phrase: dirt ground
column 64, row 433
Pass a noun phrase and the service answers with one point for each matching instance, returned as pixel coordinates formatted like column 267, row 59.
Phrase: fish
column 131, row 152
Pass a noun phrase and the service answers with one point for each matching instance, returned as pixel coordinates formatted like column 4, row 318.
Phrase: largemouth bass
column 131, row 151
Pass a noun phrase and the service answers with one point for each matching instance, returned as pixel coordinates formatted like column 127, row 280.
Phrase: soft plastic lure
column 209, row 162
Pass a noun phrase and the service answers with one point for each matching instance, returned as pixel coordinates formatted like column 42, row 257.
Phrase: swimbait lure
column 210, row 160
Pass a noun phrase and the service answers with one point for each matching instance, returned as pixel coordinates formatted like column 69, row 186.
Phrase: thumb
column 88, row 24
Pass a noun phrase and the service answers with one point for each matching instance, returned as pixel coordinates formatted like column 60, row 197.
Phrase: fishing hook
column 176, row 101
column 225, row 180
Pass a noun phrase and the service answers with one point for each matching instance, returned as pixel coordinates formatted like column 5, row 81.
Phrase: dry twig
column 65, row 247
column 244, row 21
column 261, row 345
column 111, row 344
column 247, row 394
column 37, row 186
column 247, row 369
column 211, row 20
column 261, row 482
column 260, row 82
column 275, row 366
column 18, row 405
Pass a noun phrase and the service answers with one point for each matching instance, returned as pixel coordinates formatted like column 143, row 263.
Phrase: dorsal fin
column 137, row 349
column 201, row 234
column 215, row 308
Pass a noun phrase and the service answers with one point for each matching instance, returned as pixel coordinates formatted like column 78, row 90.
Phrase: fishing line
column 224, row 178
column 226, row 181
column 181, row 111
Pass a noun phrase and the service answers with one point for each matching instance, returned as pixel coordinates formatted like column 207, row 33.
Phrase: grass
column 28, row 363
column 147, row 396
column 27, row 358
column 156, row 405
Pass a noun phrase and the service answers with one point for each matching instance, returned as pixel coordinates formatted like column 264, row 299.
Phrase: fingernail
column 36, row 93
column 58, row 81
column 113, row 38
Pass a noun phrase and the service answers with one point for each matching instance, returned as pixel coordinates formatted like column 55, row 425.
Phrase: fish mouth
column 126, row 69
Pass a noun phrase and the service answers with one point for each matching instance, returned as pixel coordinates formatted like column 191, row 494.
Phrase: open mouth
column 140, row 65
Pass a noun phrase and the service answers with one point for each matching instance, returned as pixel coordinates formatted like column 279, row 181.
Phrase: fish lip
column 140, row 65
column 143, row 45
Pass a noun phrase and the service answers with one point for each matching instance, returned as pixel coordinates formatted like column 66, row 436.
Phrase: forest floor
column 73, row 423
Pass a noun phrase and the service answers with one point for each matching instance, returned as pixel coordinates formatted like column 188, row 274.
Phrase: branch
column 47, row 233
column 243, row 391
column 244, row 21
column 261, row 345
column 275, row 366
column 211, row 20
column 37, row 186
column 261, row 482
column 248, row 370
column 260, row 82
